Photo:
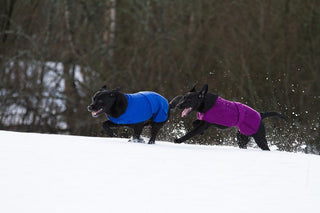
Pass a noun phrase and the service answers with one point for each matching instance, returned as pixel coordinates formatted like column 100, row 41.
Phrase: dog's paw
column 151, row 142
column 177, row 140
column 242, row 146
column 136, row 140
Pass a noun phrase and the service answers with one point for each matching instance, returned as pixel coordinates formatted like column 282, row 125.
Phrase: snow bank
column 52, row 173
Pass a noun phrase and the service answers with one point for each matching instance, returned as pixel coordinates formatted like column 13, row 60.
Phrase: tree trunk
column 8, row 10
column 110, row 29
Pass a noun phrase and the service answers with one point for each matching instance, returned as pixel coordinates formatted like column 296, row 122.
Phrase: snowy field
column 64, row 174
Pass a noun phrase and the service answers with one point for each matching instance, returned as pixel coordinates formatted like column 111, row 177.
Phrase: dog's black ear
column 203, row 91
column 104, row 87
column 194, row 88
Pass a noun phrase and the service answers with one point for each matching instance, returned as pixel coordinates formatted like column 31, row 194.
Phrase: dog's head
column 103, row 101
column 192, row 100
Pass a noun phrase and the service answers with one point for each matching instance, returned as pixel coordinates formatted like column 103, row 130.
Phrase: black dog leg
column 197, row 130
column 242, row 140
column 260, row 137
column 106, row 126
column 197, row 123
column 155, row 127
column 137, row 130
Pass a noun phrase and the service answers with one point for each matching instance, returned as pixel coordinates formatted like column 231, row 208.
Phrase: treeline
column 266, row 53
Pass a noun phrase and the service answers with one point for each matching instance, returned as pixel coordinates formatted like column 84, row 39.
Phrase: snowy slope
column 64, row 174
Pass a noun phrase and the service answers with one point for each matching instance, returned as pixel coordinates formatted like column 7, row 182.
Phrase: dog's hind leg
column 260, row 137
column 155, row 127
column 242, row 140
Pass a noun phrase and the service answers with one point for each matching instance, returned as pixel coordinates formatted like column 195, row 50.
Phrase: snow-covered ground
column 64, row 174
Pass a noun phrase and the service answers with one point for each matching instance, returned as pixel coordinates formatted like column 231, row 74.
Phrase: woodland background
column 54, row 54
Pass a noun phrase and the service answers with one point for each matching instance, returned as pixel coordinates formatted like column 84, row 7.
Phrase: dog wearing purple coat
column 212, row 110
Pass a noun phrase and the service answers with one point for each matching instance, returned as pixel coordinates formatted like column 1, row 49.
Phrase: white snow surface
column 64, row 174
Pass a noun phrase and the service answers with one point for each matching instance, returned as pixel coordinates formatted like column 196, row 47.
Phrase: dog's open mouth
column 185, row 112
column 96, row 113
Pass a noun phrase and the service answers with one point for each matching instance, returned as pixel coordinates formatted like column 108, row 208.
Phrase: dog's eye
column 100, row 101
column 111, row 95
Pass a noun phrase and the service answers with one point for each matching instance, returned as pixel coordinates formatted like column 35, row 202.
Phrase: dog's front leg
column 197, row 130
column 137, row 129
column 197, row 123
column 106, row 126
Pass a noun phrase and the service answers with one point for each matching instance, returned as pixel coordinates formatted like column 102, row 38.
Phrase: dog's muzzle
column 95, row 113
column 90, row 108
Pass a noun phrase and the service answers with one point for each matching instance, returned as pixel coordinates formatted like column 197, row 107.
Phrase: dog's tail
column 272, row 114
column 174, row 102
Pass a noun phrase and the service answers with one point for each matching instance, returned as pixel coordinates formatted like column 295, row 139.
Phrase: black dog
column 131, row 110
column 215, row 111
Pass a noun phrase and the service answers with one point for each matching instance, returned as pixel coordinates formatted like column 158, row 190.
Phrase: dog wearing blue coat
column 132, row 110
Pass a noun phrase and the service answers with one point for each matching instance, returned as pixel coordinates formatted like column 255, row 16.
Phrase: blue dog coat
column 143, row 106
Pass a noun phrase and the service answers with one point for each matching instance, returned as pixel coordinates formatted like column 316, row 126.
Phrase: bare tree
column 109, row 34
column 5, row 18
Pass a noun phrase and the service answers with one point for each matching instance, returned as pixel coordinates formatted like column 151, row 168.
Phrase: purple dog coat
column 233, row 114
